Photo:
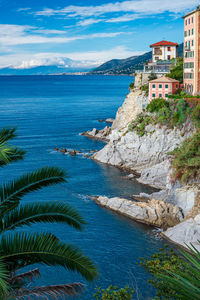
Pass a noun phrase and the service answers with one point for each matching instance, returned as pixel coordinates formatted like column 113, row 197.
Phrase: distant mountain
column 45, row 66
column 128, row 65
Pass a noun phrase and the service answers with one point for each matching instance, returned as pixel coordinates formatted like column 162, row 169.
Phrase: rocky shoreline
column 174, row 208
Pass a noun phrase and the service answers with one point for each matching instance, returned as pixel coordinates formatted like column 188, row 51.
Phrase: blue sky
column 40, row 32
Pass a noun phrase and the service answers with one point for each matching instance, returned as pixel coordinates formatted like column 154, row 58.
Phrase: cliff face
column 146, row 155
column 174, row 207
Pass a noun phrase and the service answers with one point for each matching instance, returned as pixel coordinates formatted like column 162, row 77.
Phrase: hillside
column 128, row 65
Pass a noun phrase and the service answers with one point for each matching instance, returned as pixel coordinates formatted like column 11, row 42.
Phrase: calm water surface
column 49, row 112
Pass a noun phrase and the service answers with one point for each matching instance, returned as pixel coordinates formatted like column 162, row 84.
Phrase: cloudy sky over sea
column 48, row 32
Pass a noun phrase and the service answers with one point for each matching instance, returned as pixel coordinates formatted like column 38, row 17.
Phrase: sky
column 86, row 32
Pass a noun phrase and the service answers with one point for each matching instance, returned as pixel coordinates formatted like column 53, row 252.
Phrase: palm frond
column 10, row 154
column 39, row 212
column 21, row 249
column 53, row 291
column 7, row 134
column 27, row 276
column 12, row 192
column 186, row 284
column 3, row 278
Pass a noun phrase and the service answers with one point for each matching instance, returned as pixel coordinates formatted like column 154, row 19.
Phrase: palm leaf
column 50, row 212
column 21, row 249
column 27, row 276
column 3, row 278
column 53, row 291
column 11, row 193
column 7, row 134
column 8, row 153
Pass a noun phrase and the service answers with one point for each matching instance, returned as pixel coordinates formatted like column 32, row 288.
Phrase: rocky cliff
column 147, row 155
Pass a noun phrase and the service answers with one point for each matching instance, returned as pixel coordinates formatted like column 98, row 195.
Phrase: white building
column 164, row 51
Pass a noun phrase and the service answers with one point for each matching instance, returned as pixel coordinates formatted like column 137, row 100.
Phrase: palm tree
column 21, row 249
column 185, row 282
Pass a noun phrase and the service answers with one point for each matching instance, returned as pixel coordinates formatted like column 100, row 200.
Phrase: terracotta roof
column 164, row 79
column 164, row 43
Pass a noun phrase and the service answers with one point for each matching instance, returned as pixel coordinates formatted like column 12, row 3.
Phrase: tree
column 21, row 249
column 176, row 71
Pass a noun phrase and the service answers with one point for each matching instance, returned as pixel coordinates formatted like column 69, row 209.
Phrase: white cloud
column 80, row 59
column 19, row 35
column 137, row 6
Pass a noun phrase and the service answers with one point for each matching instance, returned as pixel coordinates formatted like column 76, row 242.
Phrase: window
column 160, row 95
column 156, row 58
column 168, row 57
column 166, row 95
column 166, row 86
column 185, row 33
column 153, row 86
column 168, row 48
column 188, row 21
column 177, row 86
column 192, row 43
column 185, row 44
column 189, row 32
column 153, row 95
column 192, row 19
column 192, row 31
column 185, row 22
column 160, row 86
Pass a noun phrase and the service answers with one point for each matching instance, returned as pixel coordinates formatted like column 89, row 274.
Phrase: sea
column 50, row 112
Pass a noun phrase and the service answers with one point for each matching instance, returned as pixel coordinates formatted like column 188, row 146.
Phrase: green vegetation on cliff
column 176, row 113
column 176, row 72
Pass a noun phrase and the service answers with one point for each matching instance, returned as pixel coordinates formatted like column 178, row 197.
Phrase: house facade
column 164, row 54
column 192, row 52
column 163, row 87
column 164, row 50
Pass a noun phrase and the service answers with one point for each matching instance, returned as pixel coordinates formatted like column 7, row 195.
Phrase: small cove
column 49, row 112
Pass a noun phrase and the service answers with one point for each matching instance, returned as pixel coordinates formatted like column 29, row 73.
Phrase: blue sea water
column 49, row 112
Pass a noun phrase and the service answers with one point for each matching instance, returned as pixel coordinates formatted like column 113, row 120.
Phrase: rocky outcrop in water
column 102, row 134
column 154, row 212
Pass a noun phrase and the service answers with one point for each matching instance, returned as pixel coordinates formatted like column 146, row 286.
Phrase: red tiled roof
column 164, row 79
column 164, row 43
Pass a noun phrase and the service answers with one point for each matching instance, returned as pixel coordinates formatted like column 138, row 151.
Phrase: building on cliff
column 192, row 52
column 163, row 87
column 164, row 54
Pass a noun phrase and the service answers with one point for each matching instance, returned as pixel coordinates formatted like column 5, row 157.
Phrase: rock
column 100, row 120
column 186, row 198
column 156, row 213
column 63, row 150
column 134, row 103
column 72, row 153
column 147, row 155
column 56, row 149
column 102, row 134
column 185, row 233
column 131, row 176
column 109, row 120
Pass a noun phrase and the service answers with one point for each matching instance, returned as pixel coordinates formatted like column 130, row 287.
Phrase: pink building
column 192, row 52
column 162, row 87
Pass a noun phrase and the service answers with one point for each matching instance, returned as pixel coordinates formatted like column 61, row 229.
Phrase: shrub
column 176, row 71
column 114, row 293
column 186, row 162
column 156, row 104
column 152, row 76
column 145, row 88
column 196, row 115
column 140, row 123
column 131, row 85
